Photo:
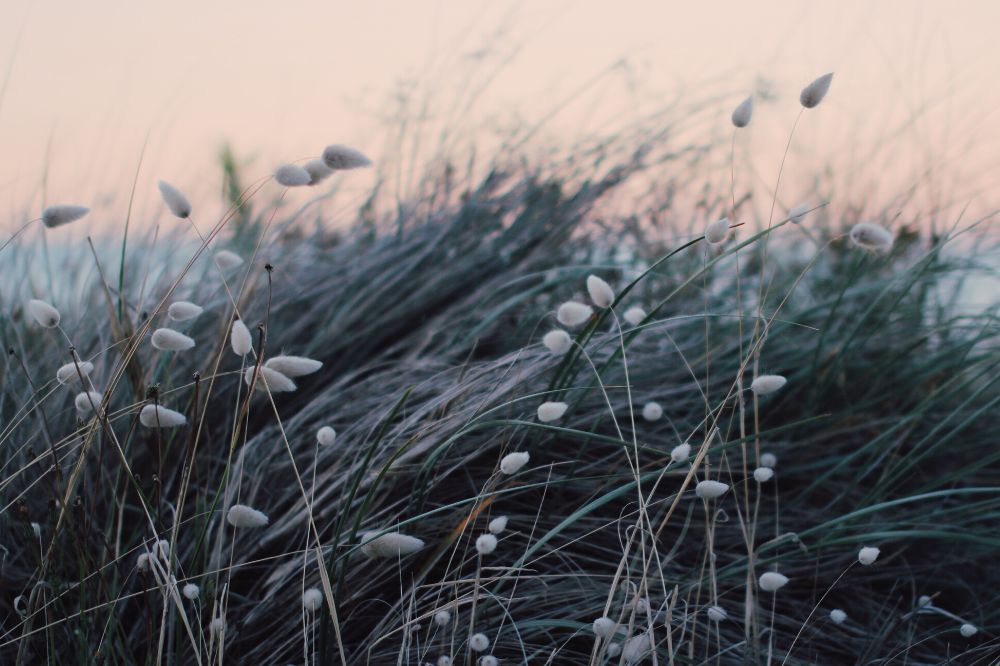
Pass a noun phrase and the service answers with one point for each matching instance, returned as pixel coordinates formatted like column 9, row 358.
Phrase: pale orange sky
column 89, row 80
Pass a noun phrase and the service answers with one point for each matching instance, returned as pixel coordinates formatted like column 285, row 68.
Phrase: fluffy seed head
column 167, row 339
column 512, row 462
column 717, row 613
column 573, row 314
column 293, row 366
column 241, row 515
column 600, row 292
column 709, row 489
column 444, row 660
column 68, row 373
column 551, row 411
column 183, row 310
column 557, row 341
column 227, row 260
column 868, row 555
column 768, row 460
column 339, row 158
column 968, row 630
column 486, row 544
column 743, row 112
column 43, row 313
column 218, row 626
column 191, row 591
column 57, row 216
column 634, row 315
column 142, row 562
column 838, row 616
column 240, row 338
column 489, row 660
column 326, row 436
column 292, row 175
column 442, row 618
column 652, row 411
column 797, row 214
column 498, row 524
column 763, row 474
column 318, row 171
column 772, row 581
column 87, row 401
column 636, row 648
column 161, row 549
column 924, row 600
column 312, row 599
column 614, row 649
column 479, row 642
column 391, row 544
column 175, row 200
column 158, row 416
column 717, row 232
column 814, row 93
column 604, row 627
column 680, row 453
column 871, row 236
column 765, row 384
column 269, row 380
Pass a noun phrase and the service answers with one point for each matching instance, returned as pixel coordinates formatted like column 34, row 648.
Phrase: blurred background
column 86, row 85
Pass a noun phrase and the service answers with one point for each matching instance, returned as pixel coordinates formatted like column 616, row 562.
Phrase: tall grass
column 428, row 321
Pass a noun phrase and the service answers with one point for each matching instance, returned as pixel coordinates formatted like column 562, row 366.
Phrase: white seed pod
column 637, row 647
column 37, row 529
column 326, row 436
column 57, row 216
column 868, row 555
column 871, row 236
column 269, row 380
column 191, row 591
column 479, row 642
column 498, row 524
column 614, row 649
column 680, row 453
column 486, row 544
column 557, row 341
column 717, row 232
column 175, row 200
column 318, row 171
column 444, row 660
column 709, row 489
column 161, row 549
column 390, row 544
column 292, row 175
column 743, row 112
column 218, row 626
column 924, row 600
column 43, row 313
column 293, row 366
column 312, row 599
column 763, row 474
column 551, row 411
column 968, row 630
column 512, row 462
column 797, row 214
column 184, row 310
column 340, row 158
column 652, row 411
column 765, row 384
column 635, row 315
column 814, row 93
column 768, row 460
column 717, row 613
column 68, row 373
column 167, row 339
column 142, row 562
column 227, row 260
column 240, row 338
column 442, row 618
column 158, row 416
column 641, row 605
column 488, row 660
column 600, row 292
column 241, row 515
column 838, row 616
column 573, row 314
column 87, row 402
column 604, row 627
column 772, row 581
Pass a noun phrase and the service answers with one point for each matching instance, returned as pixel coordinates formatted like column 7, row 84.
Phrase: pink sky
column 89, row 80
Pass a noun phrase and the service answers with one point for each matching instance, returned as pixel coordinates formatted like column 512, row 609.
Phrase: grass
column 428, row 321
